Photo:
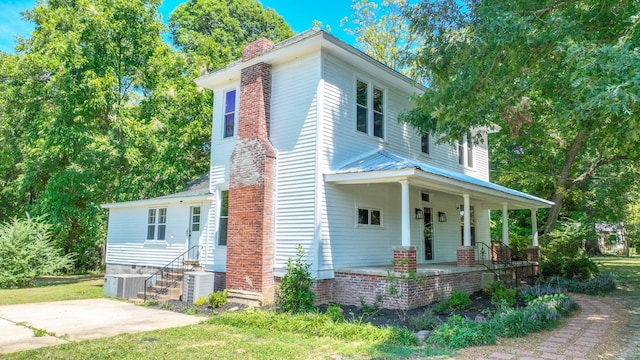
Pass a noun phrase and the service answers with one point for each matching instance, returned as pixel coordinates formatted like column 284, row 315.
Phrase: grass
column 55, row 289
column 222, row 338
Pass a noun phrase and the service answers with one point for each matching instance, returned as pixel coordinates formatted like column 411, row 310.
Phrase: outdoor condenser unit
column 197, row 284
column 124, row 286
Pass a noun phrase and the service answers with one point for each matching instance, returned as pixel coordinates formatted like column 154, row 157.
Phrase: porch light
column 419, row 214
column 442, row 217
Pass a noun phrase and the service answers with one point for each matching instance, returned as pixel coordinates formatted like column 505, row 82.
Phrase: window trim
column 370, row 110
column 159, row 214
column 466, row 153
column 225, row 114
column 220, row 217
column 370, row 211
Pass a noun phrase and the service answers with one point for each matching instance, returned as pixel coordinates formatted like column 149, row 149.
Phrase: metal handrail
column 500, row 261
column 170, row 273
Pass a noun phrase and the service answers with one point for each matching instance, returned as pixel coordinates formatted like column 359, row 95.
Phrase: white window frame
column 221, row 217
column 370, row 211
column 155, row 222
column 369, row 107
column 466, row 153
column 225, row 113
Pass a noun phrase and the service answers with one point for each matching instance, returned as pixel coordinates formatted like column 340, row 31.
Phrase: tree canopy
column 558, row 77
column 97, row 107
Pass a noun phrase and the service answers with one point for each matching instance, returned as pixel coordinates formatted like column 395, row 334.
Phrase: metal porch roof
column 385, row 162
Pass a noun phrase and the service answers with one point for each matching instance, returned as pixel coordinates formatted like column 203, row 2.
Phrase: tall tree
column 382, row 30
column 213, row 31
column 559, row 77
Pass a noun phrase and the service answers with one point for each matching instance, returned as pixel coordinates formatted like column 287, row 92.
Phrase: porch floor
column 422, row 269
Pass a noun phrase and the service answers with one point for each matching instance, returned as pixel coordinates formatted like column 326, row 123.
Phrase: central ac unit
column 197, row 284
column 124, row 286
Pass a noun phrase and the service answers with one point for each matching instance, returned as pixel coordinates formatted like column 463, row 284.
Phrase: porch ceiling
column 385, row 167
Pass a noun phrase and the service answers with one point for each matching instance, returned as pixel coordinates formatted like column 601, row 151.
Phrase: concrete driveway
column 74, row 320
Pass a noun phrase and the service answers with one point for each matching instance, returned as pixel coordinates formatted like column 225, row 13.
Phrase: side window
column 424, row 143
column 369, row 109
column 369, row 217
column 229, row 113
column 362, row 111
column 157, row 224
column 224, row 218
column 465, row 152
column 378, row 113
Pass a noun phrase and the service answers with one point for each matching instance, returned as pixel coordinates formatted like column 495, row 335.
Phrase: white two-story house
column 307, row 150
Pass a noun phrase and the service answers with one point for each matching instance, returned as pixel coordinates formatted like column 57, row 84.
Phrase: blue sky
column 299, row 14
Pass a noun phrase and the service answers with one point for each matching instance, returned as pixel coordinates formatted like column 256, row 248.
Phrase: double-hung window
column 465, row 152
column 369, row 109
column 229, row 113
column 224, row 218
column 424, row 143
column 157, row 224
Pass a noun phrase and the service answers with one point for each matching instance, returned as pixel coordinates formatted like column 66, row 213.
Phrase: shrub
column 442, row 307
column 426, row 321
column 460, row 300
column 201, row 301
column 27, row 251
column 541, row 313
column 457, row 333
column 551, row 287
column 334, row 312
column 294, row 294
column 218, row 298
column 596, row 286
column 370, row 309
column 500, row 294
column 581, row 268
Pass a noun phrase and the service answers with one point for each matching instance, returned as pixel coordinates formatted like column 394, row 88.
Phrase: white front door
column 194, row 231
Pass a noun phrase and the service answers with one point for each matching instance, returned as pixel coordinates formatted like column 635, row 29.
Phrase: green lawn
column 55, row 289
column 226, row 340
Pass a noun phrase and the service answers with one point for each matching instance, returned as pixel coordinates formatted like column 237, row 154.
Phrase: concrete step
column 245, row 297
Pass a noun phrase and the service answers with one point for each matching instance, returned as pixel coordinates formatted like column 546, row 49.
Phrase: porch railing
column 170, row 275
column 509, row 267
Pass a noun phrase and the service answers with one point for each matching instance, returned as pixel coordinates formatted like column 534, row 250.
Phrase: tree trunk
column 561, row 183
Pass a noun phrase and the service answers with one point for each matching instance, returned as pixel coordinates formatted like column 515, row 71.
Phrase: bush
column 27, row 251
column 457, row 333
column 500, row 294
column 442, row 307
column 334, row 312
column 540, row 313
column 218, row 298
column 596, row 286
column 552, row 287
column 460, row 300
column 426, row 321
column 201, row 301
column 294, row 294
column 581, row 268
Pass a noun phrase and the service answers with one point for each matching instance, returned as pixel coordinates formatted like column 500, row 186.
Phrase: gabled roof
column 306, row 42
column 197, row 189
column 383, row 166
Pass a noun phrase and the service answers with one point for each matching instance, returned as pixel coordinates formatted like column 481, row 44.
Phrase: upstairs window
column 229, row 113
column 156, row 224
column 465, row 152
column 362, row 111
column 369, row 109
column 424, row 143
column 224, row 218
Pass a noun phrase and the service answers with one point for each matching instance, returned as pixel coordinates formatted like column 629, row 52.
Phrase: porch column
column 505, row 224
column 466, row 254
column 406, row 225
column 467, row 221
column 534, row 226
column 533, row 252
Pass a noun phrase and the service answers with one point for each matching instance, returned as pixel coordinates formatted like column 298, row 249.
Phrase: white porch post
column 405, row 231
column 505, row 224
column 466, row 221
column 534, row 226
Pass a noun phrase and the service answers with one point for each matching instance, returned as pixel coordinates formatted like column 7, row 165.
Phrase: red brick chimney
column 250, row 242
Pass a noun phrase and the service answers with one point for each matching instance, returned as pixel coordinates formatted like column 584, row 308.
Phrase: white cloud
column 11, row 22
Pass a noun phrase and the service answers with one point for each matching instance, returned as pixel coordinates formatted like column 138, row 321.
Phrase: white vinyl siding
column 127, row 235
column 294, row 124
